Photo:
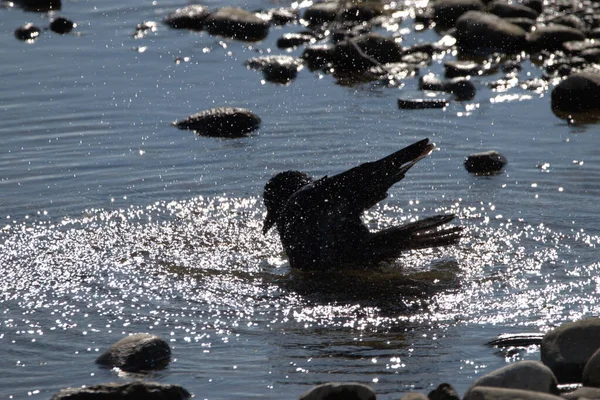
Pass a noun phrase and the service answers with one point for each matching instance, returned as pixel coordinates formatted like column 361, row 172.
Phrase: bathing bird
column 319, row 221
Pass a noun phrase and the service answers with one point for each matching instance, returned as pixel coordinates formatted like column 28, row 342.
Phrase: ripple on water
column 201, row 274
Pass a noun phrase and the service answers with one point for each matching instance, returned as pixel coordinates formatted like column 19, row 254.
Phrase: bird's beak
column 268, row 223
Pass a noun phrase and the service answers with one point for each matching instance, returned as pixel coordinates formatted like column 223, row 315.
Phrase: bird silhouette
column 319, row 221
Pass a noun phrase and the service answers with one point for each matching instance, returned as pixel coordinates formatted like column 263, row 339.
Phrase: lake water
column 114, row 222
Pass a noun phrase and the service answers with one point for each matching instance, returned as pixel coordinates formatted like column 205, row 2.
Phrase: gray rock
column 446, row 12
column 444, row 391
column 124, row 391
column 237, row 24
column 510, row 10
column 552, row 37
column 590, row 393
column 489, row 162
column 483, row 33
column 567, row 348
column 524, row 375
column 226, row 122
column 137, row 353
column 591, row 371
column 190, row 17
column 339, row 391
column 578, row 93
column 494, row 393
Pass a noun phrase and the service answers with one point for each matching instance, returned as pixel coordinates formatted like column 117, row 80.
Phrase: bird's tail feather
column 416, row 235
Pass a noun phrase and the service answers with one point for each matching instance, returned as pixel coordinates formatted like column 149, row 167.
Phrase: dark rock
column 484, row 33
column 124, row 391
column 462, row 89
column 537, row 5
column 552, row 37
column 588, row 393
column 190, row 17
column 420, row 59
column 365, row 52
column 431, row 82
column 566, row 349
column 578, row 46
column 237, row 24
column 27, row 32
column 578, row 93
column 62, row 25
column 591, row 371
column 511, row 66
column 221, row 122
column 358, row 13
column 291, row 40
column 318, row 56
column 444, row 391
column 283, row 16
column 594, row 33
column 278, row 69
column 137, row 352
column 524, row 375
column 421, row 104
column 516, row 340
column 446, row 12
column 591, row 55
column 488, row 162
column 39, row 5
column 468, row 68
column 569, row 20
column 427, row 48
column 388, row 74
column 507, row 10
column 321, row 12
column 495, row 393
column 339, row 391
column 524, row 23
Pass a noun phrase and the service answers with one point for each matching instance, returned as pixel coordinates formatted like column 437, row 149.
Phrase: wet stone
column 366, row 51
column 190, row 17
column 447, row 12
column 27, row 32
column 488, row 162
column 291, row 40
column 339, row 391
column 444, row 391
column 569, row 20
column 578, row 93
column 496, row 393
column 483, row 33
column 237, row 24
column 125, row 391
column 318, row 56
column 139, row 352
column 462, row 89
column 320, row 13
column 283, row 16
column 358, row 13
column 421, row 104
column 455, row 69
column 278, row 69
column 62, row 25
column 39, row 5
column 552, row 37
column 504, row 9
column 226, row 122
column 524, row 23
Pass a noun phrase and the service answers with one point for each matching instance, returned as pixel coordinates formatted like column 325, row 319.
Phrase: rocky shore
column 569, row 369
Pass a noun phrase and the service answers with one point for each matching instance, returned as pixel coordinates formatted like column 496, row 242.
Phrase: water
column 114, row 222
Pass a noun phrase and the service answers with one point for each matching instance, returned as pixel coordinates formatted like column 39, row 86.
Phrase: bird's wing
column 353, row 191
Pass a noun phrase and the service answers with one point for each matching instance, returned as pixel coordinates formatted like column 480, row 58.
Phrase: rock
column 591, row 55
column 462, row 89
column 291, row 40
column 124, row 391
column 552, row 37
column 421, row 104
column 591, row 371
column 282, row 16
column 137, row 352
column 583, row 393
column 358, row 13
column 339, row 391
column 62, row 25
column 221, row 122
column 578, row 93
column 318, row 56
column 321, row 12
column 431, row 82
column 444, row 391
column 488, row 162
column 27, row 32
column 537, row 5
column 524, row 23
column 484, row 33
column 366, row 51
column 567, row 348
column 456, row 69
column 446, row 12
column 278, row 69
column 190, row 17
column 507, row 10
column 39, row 5
column 414, row 396
column 569, row 20
column 524, row 375
column 237, row 24
column 494, row 393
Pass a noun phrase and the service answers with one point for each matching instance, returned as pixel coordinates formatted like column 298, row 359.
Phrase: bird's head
column 277, row 192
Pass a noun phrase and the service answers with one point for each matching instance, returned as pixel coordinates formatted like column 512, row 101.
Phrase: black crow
column 319, row 222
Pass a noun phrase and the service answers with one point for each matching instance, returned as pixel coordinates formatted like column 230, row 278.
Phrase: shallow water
column 114, row 222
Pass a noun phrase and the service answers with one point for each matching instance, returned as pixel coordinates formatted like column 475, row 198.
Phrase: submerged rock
column 189, row 17
column 484, row 33
column 27, row 32
column 488, row 162
column 577, row 94
column 566, row 349
column 124, row 391
column 226, row 122
column 278, row 69
column 237, row 24
column 421, row 104
column 339, row 391
column 524, row 375
column 137, row 352
column 62, row 25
